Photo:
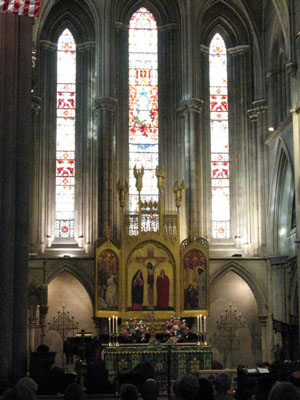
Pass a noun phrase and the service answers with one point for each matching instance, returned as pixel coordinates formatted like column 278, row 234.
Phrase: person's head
column 295, row 379
column 129, row 392
column 27, row 382
column 200, row 271
column 206, row 391
column 74, row 392
column 223, row 382
column 283, row 391
column 149, row 265
column 19, row 393
column 150, row 390
column 162, row 272
column 187, row 388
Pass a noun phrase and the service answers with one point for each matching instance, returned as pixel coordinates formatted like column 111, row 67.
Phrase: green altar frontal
column 169, row 362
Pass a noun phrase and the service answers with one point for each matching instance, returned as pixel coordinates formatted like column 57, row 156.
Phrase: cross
column 150, row 256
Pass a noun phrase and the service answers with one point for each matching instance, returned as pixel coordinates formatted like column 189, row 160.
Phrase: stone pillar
column 238, row 95
column 47, row 158
column 296, row 140
column 257, row 175
column 170, row 146
column 15, row 141
column 105, row 108
column 190, row 109
column 86, row 149
column 265, row 356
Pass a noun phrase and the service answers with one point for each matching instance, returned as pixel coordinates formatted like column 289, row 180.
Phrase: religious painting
column 107, row 281
column 195, row 276
column 150, row 280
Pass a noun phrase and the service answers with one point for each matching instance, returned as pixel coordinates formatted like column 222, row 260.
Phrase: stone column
column 34, row 178
column 86, row 150
column 257, row 170
column 296, row 140
column 190, row 109
column 15, row 141
column 105, row 108
column 170, row 146
column 263, row 322
column 47, row 158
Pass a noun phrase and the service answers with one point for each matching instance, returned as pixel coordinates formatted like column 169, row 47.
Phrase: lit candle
column 116, row 324
column 113, row 324
column 109, row 330
column 198, row 323
column 200, row 328
column 204, row 324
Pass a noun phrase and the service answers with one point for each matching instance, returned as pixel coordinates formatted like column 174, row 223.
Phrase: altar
column 169, row 362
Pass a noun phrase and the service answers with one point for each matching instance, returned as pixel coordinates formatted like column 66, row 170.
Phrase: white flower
column 175, row 327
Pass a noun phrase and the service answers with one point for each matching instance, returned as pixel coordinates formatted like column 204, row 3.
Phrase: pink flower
column 169, row 323
column 134, row 323
column 182, row 326
column 176, row 321
column 171, row 330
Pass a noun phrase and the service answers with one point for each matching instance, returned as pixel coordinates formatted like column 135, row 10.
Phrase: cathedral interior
column 186, row 109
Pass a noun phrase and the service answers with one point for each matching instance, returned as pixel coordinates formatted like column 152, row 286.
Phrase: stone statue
column 123, row 190
column 160, row 174
column 138, row 174
column 178, row 190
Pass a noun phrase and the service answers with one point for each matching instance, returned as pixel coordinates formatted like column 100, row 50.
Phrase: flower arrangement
column 177, row 327
column 134, row 330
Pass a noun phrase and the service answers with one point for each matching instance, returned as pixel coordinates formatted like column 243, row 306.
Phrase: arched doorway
column 67, row 290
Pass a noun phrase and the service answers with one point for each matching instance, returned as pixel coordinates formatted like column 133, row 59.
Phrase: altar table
column 168, row 361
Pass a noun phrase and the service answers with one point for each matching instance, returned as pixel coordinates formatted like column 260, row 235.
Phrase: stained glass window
column 65, row 135
column 219, row 138
column 143, row 105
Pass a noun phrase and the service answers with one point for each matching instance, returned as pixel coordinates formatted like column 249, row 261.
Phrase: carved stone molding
column 204, row 49
column 238, row 49
column 121, row 27
column 86, row 45
column 190, row 105
column 46, row 44
column 105, row 103
column 167, row 27
column 278, row 261
column 263, row 320
column 291, row 68
column 259, row 106
column 36, row 103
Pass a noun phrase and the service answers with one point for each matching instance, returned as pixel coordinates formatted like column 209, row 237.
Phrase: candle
column 198, row 323
column 200, row 328
column 204, row 324
column 116, row 324
column 109, row 330
column 113, row 325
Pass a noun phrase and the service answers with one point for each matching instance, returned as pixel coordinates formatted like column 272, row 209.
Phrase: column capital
column 167, row 27
column 278, row 261
column 86, row 45
column 121, row 27
column 238, row 49
column 291, row 68
column 46, row 44
column 204, row 49
column 36, row 103
column 190, row 105
column 105, row 103
column 259, row 106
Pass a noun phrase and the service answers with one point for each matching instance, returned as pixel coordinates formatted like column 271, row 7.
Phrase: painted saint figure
column 201, row 289
column 150, row 282
column 162, row 289
column 137, row 291
column 111, row 292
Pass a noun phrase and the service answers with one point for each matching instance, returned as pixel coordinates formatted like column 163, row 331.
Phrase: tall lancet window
column 65, row 135
column 143, row 105
column 219, row 139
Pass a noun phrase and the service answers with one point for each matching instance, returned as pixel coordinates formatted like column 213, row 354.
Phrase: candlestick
column 198, row 323
column 204, row 324
column 109, row 330
column 113, row 325
column 200, row 328
column 116, row 325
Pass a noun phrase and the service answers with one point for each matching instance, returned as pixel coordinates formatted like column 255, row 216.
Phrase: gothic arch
column 161, row 10
column 248, row 278
column 282, row 12
column 283, row 178
column 68, row 266
column 78, row 17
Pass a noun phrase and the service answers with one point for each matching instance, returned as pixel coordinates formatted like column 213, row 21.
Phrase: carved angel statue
column 160, row 174
column 178, row 190
column 123, row 190
column 138, row 174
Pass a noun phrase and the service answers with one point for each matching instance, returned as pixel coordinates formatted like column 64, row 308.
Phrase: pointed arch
column 78, row 273
column 281, row 197
column 256, row 288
